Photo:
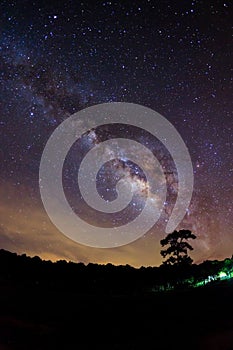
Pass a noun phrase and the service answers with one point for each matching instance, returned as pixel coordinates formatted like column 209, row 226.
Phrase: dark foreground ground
column 35, row 318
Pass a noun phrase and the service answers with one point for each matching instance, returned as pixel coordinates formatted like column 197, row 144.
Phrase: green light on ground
column 222, row 275
column 201, row 283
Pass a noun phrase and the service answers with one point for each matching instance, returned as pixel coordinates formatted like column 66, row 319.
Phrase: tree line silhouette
column 178, row 272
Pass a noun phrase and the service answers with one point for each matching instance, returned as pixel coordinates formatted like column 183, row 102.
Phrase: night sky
column 174, row 57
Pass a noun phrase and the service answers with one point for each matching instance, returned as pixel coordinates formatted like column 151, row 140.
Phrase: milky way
column 173, row 57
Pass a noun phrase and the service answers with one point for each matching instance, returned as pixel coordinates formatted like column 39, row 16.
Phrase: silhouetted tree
column 178, row 247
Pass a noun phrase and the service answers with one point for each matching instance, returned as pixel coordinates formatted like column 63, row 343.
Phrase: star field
column 173, row 57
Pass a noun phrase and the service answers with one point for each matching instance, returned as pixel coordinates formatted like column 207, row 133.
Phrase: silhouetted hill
column 95, row 278
column 47, row 305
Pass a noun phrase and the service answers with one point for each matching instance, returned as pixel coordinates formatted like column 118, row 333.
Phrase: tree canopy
column 178, row 247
